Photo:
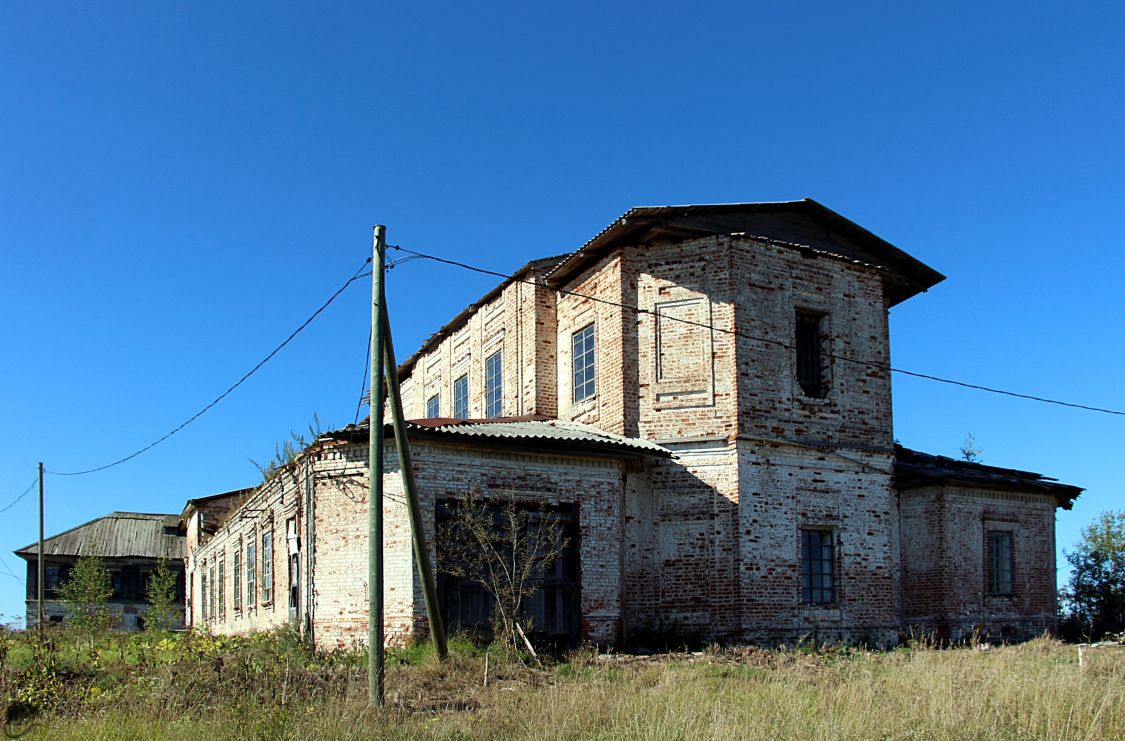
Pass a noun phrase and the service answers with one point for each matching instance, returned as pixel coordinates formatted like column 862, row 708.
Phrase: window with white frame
column 493, row 385
column 236, row 572
column 582, row 362
column 433, row 406
column 251, row 572
column 222, row 586
column 267, row 567
column 461, row 397
column 203, row 592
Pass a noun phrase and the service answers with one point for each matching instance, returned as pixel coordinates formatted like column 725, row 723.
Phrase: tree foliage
column 505, row 546
column 969, row 450
column 286, row 451
column 85, row 594
column 161, row 591
column 1093, row 602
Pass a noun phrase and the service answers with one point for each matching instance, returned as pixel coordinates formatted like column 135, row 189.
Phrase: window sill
column 585, row 405
column 822, row 612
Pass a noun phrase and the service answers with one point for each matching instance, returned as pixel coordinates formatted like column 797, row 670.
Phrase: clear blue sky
column 183, row 183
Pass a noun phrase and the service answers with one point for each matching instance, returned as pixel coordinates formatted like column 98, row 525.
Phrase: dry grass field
column 268, row 687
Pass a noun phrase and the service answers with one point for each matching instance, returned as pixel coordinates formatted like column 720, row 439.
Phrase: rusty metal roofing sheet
column 554, row 432
column 117, row 535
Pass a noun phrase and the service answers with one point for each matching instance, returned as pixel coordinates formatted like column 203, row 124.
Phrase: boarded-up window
column 684, row 349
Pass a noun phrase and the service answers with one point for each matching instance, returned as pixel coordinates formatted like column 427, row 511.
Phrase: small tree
column 162, row 598
column 1093, row 602
column 505, row 547
column 969, row 450
column 285, row 451
column 85, row 594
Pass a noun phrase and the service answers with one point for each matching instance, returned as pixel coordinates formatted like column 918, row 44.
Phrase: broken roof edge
column 914, row 469
column 550, row 432
column 447, row 329
column 189, row 504
column 907, row 268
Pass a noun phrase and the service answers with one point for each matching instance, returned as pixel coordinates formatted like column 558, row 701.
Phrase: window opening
column 493, row 385
column 461, row 397
column 818, row 567
column 267, row 567
column 999, row 562
column 582, row 352
column 810, row 356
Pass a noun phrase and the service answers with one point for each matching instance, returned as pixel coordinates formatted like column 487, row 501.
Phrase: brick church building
column 702, row 396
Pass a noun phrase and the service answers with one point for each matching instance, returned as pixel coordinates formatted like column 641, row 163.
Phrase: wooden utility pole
column 375, row 669
column 421, row 551
column 41, row 575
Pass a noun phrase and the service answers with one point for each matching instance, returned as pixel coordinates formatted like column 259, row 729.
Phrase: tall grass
column 272, row 687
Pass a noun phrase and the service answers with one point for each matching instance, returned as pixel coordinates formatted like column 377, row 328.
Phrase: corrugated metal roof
column 552, row 432
column 914, row 469
column 117, row 535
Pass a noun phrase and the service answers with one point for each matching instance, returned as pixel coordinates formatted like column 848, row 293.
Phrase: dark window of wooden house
column 810, row 369
column 999, row 562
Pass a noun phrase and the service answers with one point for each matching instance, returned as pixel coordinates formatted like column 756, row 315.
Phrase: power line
column 363, row 382
column 765, row 340
column 9, row 572
column 15, row 501
column 356, row 276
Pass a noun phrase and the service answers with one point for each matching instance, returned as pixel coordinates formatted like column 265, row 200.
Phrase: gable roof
column 798, row 224
column 914, row 469
column 804, row 224
column 531, row 431
column 117, row 535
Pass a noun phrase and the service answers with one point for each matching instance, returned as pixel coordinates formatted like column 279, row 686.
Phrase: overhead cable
column 356, row 276
column 15, row 501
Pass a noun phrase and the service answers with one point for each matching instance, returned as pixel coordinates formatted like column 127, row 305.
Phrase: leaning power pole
column 406, row 467
column 41, row 568
column 375, row 669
